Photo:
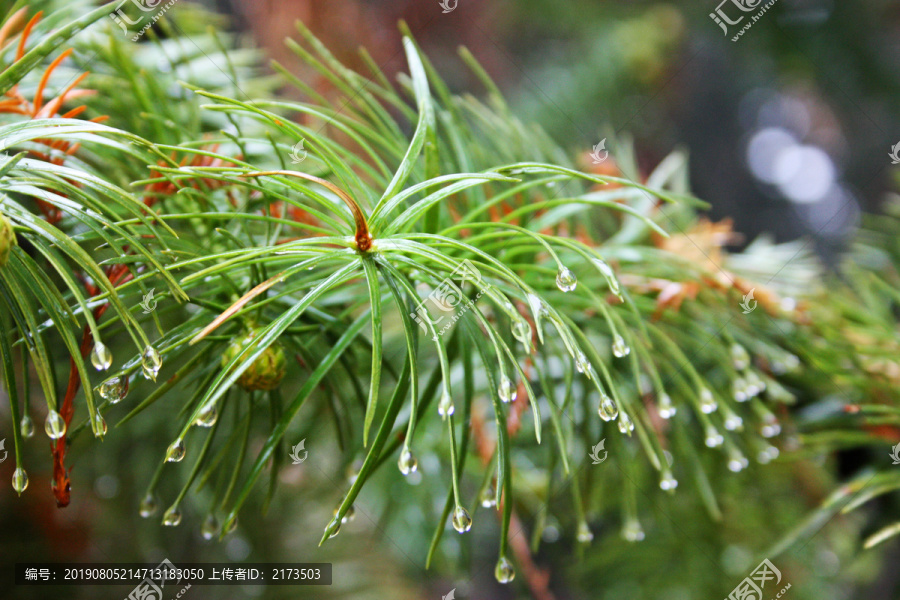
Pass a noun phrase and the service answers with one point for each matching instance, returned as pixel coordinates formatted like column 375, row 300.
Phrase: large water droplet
column 739, row 357
column 506, row 391
column 210, row 527
column 98, row 425
column 407, row 462
column 619, row 347
column 176, row 452
column 445, row 406
column 632, row 531
column 462, row 522
column 172, row 517
column 666, row 409
column 148, row 506
column 55, row 425
column 607, row 409
column 521, row 330
column 19, row 480
column 668, row 482
column 207, row 416
column 584, row 535
column 114, row 389
column 707, row 402
column 566, row 280
column 101, row 357
column 504, row 571
column 150, row 362
column 26, row 426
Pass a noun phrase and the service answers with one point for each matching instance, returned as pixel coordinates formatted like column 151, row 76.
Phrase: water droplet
column 101, row 357
column 99, row 425
column 148, row 506
column 739, row 357
column 619, row 347
column 462, row 522
column 582, row 365
column 20, row 480
column 632, row 531
column 714, row 439
column 584, row 535
column 230, row 525
column 668, row 482
column 445, row 406
column 55, row 426
column 114, row 389
column 625, row 424
column 566, row 280
column 334, row 528
column 348, row 516
column 521, row 330
column 791, row 363
column 488, row 497
column 407, row 462
column 755, row 384
column 507, row 390
column 504, row 571
column 538, row 308
column 26, row 426
column 175, row 453
column 707, row 402
column 607, row 409
column 210, row 527
column 739, row 390
column 666, row 409
column 207, row 416
column 770, row 428
column 733, row 422
column 150, row 362
column 737, row 463
column 610, row 277
column 172, row 517
column 767, row 454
